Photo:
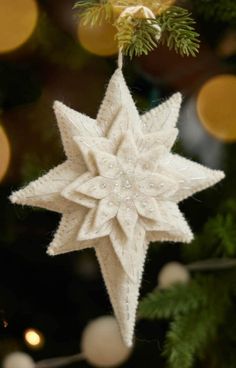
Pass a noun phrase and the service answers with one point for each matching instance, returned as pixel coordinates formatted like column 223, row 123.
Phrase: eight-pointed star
column 119, row 189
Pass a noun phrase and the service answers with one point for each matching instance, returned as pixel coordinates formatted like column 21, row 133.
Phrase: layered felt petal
column 118, row 98
column 88, row 230
column 71, row 191
column 64, row 240
column 191, row 177
column 127, row 249
column 107, row 164
column 156, row 185
column 171, row 227
column 107, row 209
column 71, row 123
column 148, row 161
column 46, row 191
column 96, row 187
column 127, row 217
column 164, row 116
column 155, row 139
column 87, row 144
column 122, row 290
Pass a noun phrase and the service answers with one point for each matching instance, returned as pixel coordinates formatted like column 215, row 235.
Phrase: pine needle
column 178, row 31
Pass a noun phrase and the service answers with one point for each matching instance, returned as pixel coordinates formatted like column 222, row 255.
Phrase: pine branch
column 218, row 239
column 189, row 335
column 94, row 13
column 178, row 31
column 136, row 36
column 197, row 310
column 164, row 304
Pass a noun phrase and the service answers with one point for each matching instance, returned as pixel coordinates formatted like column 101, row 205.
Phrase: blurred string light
column 216, row 107
column 5, row 153
column 33, row 338
column 18, row 19
column 101, row 346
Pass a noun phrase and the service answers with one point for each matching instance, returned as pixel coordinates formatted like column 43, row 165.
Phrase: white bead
column 102, row 344
column 18, row 360
column 173, row 273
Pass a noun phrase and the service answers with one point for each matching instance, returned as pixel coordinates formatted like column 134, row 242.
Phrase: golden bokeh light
column 216, row 107
column 18, row 19
column 5, row 153
column 98, row 39
column 34, row 338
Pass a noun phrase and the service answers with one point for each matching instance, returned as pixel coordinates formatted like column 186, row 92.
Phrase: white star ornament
column 119, row 189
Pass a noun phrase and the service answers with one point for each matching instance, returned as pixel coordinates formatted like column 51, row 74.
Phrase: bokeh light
column 34, row 338
column 98, row 39
column 216, row 107
column 18, row 19
column 5, row 153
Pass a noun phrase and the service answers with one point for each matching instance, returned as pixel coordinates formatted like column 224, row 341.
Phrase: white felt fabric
column 119, row 189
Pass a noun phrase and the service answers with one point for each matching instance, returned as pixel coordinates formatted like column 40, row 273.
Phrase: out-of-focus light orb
column 5, row 153
column 173, row 273
column 18, row 359
column 227, row 45
column 216, row 107
column 98, row 39
column 102, row 345
column 18, row 19
column 34, row 338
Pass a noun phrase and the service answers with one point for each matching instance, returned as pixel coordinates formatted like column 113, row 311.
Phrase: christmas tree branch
column 178, row 31
column 136, row 35
column 196, row 311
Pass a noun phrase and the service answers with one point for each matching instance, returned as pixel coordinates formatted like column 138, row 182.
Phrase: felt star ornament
column 119, row 189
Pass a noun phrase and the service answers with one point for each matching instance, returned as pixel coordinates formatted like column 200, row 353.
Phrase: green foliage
column 218, row 239
column 217, row 10
column 94, row 13
column 137, row 35
column 178, row 31
column 197, row 311
column 176, row 300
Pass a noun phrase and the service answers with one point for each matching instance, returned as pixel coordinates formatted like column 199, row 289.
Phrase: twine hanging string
column 146, row 13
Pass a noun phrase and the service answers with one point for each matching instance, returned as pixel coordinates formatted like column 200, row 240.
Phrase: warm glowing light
column 216, row 107
column 34, row 338
column 98, row 39
column 4, row 153
column 18, row 19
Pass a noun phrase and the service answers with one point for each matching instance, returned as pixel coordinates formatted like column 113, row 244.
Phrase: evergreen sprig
column 178, row 31
column 196, row 310
column 94, row 13
column 217, row 239
column 137, row 35
column 164, row 304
